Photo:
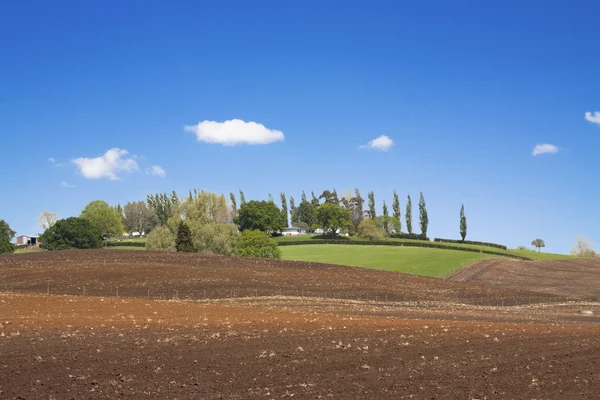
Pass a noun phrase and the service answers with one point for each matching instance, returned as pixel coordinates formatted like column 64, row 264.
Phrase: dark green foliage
column 396, row 208
column 162, row 205
column 184, row 241
column 315, row 202
column 6, row 235
column 255, row 243
column 242, row 198
column 426, row 244
column 304, row 213
column 331, row 217
column 302, row 225
column 233, row 202
column 261, row 215
column 423, row 218
column 498, row 246
column 411, row 236
column 371, row 197
column 124, row 244
column 303, row 198
column 330, row 197
column 463, row 223
column 284, row 209
column 72, row 233
column 408, row 215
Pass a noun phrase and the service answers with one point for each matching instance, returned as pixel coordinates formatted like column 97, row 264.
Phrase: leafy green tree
column 423, row 218
column 72, row 233
column 242, row 198
column 408, row 215
column 385, row 217
column 214, row 238
column 368, row 229
column 138, row 217
column 539, row 243
column 162, row 205
column 355, row 205
column 184, row 242
column 332, row 217
column 105, row 217
column 372, row 213
column 303, row 198
column 206, row 207
column 302, row 225
column 284, row 209
column 293, row 209
column 387, row 224
column 396, row 208
column 330, row 197
column 463, row 223
column 314, row 201
column 6, row 236
column 262, row 215
column 305, row 213
column 233, row 206
column 255, row 243
column 161, row 239
column 119, row 211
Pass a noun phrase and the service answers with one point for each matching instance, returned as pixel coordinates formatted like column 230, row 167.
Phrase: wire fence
column 220, row 293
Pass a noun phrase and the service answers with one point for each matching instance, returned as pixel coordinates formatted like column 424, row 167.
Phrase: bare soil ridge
column 574, row 278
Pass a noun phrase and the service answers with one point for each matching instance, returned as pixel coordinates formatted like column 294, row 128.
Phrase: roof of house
column 294, row 227
column 28, row 236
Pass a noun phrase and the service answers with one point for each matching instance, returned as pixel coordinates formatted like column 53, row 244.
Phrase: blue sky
column 464, row 90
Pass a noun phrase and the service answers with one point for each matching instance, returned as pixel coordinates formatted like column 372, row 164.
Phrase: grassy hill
column 411, row 260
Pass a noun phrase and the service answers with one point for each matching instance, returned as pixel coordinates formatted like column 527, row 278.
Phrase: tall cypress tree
column 463, row 223
column 233, row 202
column 183, row 242
column 396, row 208
column 242, row 198
column 284, row 209
column 408, row 215
column 293, row 210
column 423, row 218
column 371, row 197
column 385, row 218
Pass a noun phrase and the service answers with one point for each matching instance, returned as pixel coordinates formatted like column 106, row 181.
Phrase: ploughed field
column 399, row 337
column 576, row 278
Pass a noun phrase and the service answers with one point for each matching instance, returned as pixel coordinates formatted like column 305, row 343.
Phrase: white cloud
column 593, row 118
column 545, row 149
column 108, row 165
column 157, row 170
column 52, row 160
column 235, row 131
column 382, row 143
column 66, row 184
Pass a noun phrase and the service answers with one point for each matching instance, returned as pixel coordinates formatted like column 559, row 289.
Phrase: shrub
column 472, row 242
column 184, row 241
column 160, row 239
column 368, row 229
column 411, row 236
column 214, row 238
column 72, row 233
column 257, row 244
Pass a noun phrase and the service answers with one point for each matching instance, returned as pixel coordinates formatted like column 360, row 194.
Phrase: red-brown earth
column 430, row 339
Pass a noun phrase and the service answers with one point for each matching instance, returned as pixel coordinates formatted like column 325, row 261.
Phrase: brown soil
column 157, row 275
column 576, row 278
column 274, row 347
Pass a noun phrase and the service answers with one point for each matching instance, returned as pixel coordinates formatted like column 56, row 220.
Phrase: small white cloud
column 157, row 170
column 382, row 143
column 545, row 149
column 108, row 165
column 52, row 160
column 66, row 184
column 235, row 131
column 593, row 118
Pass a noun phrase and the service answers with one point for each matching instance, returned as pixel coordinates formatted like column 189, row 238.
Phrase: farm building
column 294, row 231
column 31, row 241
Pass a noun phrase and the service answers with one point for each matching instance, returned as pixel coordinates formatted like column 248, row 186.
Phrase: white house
column 294, row 231
column 320, row 231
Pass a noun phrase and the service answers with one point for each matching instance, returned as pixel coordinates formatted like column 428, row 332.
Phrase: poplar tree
column 408, row 215
column 371, row 197
column 284, row 209
column 396, row 208
column 463, row 223
column 423, row 218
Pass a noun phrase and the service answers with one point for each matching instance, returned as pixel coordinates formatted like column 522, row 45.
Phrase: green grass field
column 411, row 260
column 534, row 255
column 25, row 251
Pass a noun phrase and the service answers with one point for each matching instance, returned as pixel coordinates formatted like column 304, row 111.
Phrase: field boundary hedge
column 487, row 244
column 432, row 245
column 128, row 244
